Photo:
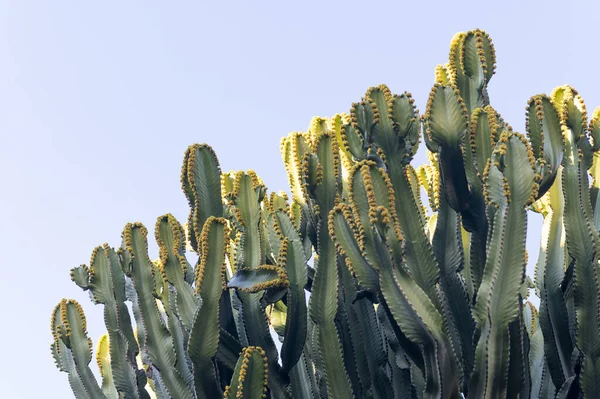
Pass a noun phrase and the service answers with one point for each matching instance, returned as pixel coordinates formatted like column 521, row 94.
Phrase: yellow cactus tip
column 456, row 38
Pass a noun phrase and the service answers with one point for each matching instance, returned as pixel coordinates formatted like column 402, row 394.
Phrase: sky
column 99, row 100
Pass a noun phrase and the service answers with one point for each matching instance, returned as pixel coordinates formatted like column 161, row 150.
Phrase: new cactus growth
column 369, row 292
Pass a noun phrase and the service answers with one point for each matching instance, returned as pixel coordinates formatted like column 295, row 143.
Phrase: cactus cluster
column 357, row 285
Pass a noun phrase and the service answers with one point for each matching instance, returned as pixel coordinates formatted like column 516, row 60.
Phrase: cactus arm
column 446, row 122
column 158, row 340
column 204, row 336
column 448, row 249
column 391, row 124
column 541, row 383
column 255, row 329
column 179, row 334
column 170, row 237
column 72, row 348
column 484, row 133
column 374, row 202
column 510, row 186
column 582, row 237
column 350, row 141
column 338, row 384
column 250, row 375
column 253, row 321
column 353, row 350
column 106, row 281
column 414, row 181
column 168, row 307
column 293, row 258
column 245, row 199
column 381, row 132
column 64, row 362
column 317, row 164
column 447, row 244
column 123, row 345
column 293, row 148
column 467, row 87
column 152, row 384
column 323, row 308
column 371, row 200
column 470, row 68
column 120, row 263
column 81, row 276
column 365, row 348
column 103, row 360
column 419, row 319
column 201, row 183
column 544, row 131
column 472, row 63
column 321, row 174
column 342, row 230
column 274, row 241
column 420, row 258
column 442, row 75
column 373, row 205
column 125, row 259
column 352, row 334
column 370, row 194
column 549, row 274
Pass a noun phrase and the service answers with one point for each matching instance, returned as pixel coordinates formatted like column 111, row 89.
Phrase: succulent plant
column 356, row 285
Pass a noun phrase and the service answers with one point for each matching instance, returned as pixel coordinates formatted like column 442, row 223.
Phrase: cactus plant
column 356, row 285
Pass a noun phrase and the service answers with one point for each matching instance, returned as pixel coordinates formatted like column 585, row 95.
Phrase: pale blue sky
column 99, row 100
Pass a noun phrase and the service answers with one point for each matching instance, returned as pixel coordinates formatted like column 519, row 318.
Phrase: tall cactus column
column 245, row 193
column 322, row 182
column 319, row 170
column 583, row 286
column 72, row 349
column 511, row 184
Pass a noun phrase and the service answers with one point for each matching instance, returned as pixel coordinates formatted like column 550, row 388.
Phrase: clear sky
column 99, row 100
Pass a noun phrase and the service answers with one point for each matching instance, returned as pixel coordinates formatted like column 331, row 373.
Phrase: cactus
column 356, row 285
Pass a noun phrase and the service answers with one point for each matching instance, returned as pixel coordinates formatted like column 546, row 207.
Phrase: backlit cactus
column 355, row 285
